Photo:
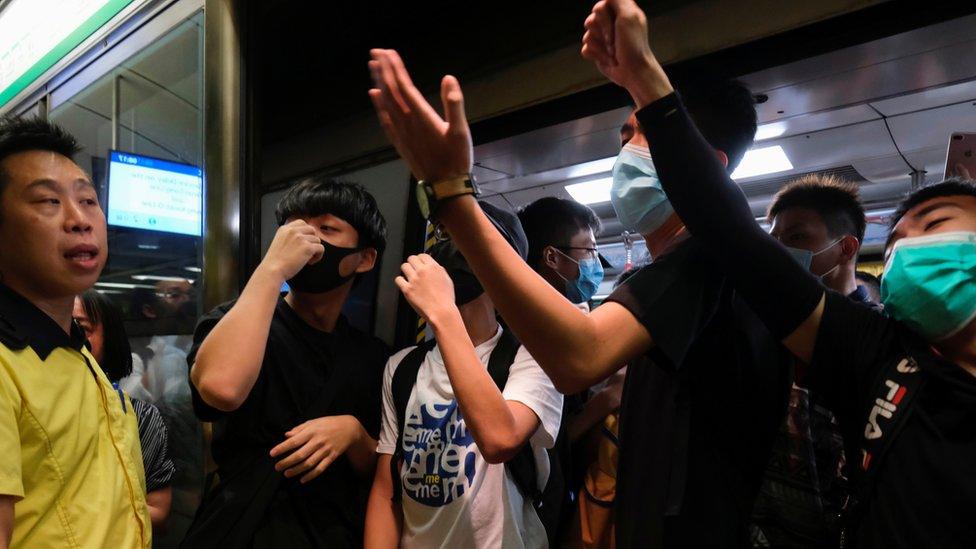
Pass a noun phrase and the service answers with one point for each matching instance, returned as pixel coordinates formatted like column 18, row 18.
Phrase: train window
column 141, row 126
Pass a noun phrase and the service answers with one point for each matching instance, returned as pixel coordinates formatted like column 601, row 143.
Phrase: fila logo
column 887, row 406
column 907, row 366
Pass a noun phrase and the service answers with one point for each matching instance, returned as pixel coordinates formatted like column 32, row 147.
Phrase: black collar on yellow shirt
column 23, row 324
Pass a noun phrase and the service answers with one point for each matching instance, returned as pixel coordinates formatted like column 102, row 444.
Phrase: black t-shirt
column 700, row 410
column 306, row 374
column 925, row 490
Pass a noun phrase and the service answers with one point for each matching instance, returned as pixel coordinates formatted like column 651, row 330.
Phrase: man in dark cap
column 467, row 417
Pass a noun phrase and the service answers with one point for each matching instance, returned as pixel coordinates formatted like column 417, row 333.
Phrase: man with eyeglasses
column 562, row 249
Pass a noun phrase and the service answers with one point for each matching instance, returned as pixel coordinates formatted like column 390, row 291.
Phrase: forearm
column 384, row 517
column 715, row 210
column 159, row 503
column 229, row 359
column 362, row 452
column 486, row 413
column 557, row 334
column 6, row 520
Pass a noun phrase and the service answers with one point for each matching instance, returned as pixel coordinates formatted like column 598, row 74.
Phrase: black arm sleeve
column 778, row 289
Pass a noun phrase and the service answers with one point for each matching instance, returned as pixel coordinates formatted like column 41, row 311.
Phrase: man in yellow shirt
column 71, row 473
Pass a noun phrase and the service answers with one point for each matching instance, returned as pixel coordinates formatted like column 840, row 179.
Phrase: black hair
column 319, row 195
column 553, row 221
column 117, row 354
column 836, row 201
column 725, row 113
column 871, row 282
column 32, row 134
column 954, row 186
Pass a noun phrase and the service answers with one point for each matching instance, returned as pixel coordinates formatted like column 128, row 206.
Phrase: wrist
column 266, row 274
column 443, row 319
column 649, row 83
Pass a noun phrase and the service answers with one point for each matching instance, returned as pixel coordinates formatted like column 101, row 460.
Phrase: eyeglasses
column 590, row 252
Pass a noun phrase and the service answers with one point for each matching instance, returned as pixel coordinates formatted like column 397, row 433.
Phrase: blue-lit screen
column 154, row 194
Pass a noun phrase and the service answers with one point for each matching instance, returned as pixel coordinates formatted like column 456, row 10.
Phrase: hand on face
column 616, row 41
column 427, row 286
column 314, row 445
column 433, row 147
column 295, row 245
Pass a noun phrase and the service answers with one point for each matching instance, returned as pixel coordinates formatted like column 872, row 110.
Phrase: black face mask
column 324, row 275
column 466, row 285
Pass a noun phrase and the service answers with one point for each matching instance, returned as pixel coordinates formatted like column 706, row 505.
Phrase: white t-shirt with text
column 451, row 496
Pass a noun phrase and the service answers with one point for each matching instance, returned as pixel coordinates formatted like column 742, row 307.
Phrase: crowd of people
column 745, row 388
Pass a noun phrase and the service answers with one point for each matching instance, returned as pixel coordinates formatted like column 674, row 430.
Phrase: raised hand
column 312, row 446
column 616, row 40
column 435, row 148
column 295, row 245
column 427, row 287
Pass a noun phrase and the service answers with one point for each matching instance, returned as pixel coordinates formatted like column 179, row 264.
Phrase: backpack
column 521, row 467
column 895, row 393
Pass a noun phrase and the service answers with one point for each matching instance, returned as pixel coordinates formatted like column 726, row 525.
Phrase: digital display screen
column 154, row 194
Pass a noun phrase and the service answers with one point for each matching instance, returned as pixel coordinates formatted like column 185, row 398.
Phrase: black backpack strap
column 522, row 466
column 894, row 396
column 404, row 378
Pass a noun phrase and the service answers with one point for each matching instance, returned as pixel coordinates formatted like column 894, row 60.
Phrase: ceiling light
column 162, row 278
column 762, row 161
column 771, row 130
column 122, row 285
column 193, row 269
column 603, row 165
column 591, row 192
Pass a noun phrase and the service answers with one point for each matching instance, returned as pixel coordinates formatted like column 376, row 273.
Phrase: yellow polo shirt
column 69, row 440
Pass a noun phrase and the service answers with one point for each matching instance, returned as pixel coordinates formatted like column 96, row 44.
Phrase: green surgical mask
column 929, row 283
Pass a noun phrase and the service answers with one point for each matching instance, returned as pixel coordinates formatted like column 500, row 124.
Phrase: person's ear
column 723, row 158
column 367, row 260
column 148, row 311
column 549, row 257
column 849, row 247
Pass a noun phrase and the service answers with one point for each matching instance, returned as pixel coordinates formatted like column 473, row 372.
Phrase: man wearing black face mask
column 293, row 388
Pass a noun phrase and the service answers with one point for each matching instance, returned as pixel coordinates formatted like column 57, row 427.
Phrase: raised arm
column 785, row 296
column 574, row 349
column 229, row 360
column 499, row 427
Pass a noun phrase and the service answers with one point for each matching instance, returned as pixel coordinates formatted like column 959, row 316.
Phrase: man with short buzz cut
column 293, row 388
column 71, row 473
column 821, row 219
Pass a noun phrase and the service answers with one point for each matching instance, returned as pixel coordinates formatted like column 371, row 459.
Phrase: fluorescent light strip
column 769, row 131
column 591, row 192
column 123, row 285
column 762, row 161
column 193, row 269
column 594, row 167
column 163, row 278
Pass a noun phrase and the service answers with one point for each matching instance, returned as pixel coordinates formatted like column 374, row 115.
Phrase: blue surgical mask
column 805, row 257
column 929, row 283
column 582, row 288
column 636, row 193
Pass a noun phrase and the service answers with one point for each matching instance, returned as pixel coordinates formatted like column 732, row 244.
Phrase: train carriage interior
column 869, row 91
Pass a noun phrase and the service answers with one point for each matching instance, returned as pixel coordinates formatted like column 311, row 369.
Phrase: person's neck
column 320, row 311
column 58, row 308
column 842, row 280
column 479, row 320
column 961, row 348
column 665, row 238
